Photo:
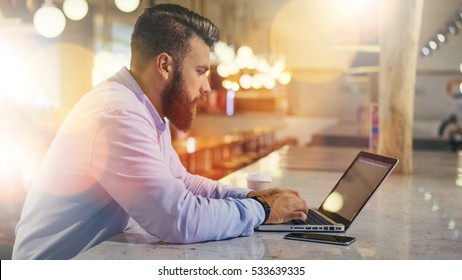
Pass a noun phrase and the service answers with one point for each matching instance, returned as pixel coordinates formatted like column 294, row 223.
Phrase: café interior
column 298, row 88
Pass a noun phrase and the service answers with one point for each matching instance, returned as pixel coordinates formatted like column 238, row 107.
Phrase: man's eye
column 202, row 72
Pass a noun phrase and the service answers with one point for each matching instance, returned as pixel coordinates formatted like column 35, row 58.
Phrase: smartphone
column 321, row 238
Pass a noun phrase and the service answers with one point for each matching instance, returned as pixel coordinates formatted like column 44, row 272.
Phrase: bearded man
column 112, row 158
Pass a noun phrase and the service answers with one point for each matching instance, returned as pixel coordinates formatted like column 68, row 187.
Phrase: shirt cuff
column 238, row 192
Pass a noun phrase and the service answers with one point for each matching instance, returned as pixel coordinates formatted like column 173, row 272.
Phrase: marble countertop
column 416, row 216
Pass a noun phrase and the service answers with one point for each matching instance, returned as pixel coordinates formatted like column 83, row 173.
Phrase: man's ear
column 164, row 64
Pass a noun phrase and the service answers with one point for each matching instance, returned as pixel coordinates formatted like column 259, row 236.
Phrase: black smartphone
column 321, row 238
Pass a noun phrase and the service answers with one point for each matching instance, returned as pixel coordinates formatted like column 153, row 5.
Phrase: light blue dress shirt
column 112, row 159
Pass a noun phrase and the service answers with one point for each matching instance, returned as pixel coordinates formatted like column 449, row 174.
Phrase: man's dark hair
column 168, row 28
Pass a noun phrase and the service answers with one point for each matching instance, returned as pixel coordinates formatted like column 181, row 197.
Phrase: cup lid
column 261, row 177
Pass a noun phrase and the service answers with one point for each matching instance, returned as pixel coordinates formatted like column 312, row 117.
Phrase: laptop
column 343, row 204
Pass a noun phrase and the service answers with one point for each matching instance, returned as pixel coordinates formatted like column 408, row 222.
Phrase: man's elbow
column 178, row 235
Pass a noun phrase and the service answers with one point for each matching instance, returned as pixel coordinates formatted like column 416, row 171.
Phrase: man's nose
column 205, row 88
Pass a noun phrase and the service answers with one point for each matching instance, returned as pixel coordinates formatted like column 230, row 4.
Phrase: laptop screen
column 357, row 185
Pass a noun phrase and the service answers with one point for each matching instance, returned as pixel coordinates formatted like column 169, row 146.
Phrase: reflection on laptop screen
column 355, row 188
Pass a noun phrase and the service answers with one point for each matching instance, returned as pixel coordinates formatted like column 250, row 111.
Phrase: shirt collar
column 125, row 78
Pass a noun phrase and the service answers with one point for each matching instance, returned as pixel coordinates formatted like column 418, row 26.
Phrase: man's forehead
column 199, row 51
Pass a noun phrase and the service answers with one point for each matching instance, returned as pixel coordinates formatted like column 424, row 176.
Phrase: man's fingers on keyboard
column 298, row 215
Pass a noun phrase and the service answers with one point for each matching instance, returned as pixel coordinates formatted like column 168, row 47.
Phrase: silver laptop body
column 348, row 197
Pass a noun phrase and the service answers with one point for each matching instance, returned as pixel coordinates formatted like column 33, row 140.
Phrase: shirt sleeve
column 197, row 184
column 127, row 160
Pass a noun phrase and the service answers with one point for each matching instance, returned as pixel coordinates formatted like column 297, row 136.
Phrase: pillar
column 399, row 37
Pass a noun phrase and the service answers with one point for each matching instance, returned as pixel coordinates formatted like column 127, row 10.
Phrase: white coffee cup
column 258, row 181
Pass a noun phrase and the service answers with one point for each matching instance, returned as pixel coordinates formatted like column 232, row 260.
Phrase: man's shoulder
column 113, row 96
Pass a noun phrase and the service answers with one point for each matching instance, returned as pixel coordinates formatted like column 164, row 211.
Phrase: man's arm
column 128, row 162
column 200, row 185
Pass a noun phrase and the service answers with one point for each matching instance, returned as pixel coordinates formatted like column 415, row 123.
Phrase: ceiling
column 16, row 17
column 435, row 18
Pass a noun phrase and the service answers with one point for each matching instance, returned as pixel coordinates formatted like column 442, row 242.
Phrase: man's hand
column 286, row 205
column 269, row 192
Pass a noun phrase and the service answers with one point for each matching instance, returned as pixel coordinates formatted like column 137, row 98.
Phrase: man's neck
column 149, row 86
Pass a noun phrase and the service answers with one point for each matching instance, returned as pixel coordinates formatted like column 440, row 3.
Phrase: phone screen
column 321, row 238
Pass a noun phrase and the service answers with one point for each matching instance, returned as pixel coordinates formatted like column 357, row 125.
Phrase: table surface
column 414, row 216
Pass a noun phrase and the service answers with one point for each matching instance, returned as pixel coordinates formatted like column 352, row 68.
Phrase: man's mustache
column 201, row 99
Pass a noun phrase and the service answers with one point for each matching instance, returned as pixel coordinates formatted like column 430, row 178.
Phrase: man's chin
column 182, row 122
column 182, row 126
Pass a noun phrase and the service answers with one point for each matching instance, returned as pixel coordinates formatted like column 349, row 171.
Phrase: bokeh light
column 75, row 9
column 49, row 21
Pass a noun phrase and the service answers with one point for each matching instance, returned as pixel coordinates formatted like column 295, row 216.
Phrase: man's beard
column 176, row 105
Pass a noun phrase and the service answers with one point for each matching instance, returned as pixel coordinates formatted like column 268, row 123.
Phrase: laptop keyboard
column 313, row 219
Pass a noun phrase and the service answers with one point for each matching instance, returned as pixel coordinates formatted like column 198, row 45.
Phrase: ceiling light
column 75, row 9
column 245, row 81
column 441, row 37
column 433, row 45
column 49, row 21
column 285, row 78
column 426, row 51
column 452, row 28
column 127, row 6
column 245, row 52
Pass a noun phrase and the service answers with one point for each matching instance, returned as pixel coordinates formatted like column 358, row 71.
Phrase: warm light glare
column 277, row 68
column 17, row 164
column 224, row 69
column 75, row 9
column 240, row 62
column 268, row 82
column 220, row 49
column 334, row 202
column 227, row 84
column 252, row 62
column 246, row 70
column 8, row 160
column 191, row 145
column 433, row 45
column 12, row 72
column 460, row 87
column 18, row 83
column 257, row 81
column 263, row 65
column 245, row 52
column 460, row 68
column 127, row 6
column 245, row 81
column 105, row 64
column 322, row 26
column 285, row 78
column 49, row 21
column 356, row 7
column 227, row 55
column 235, row 86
